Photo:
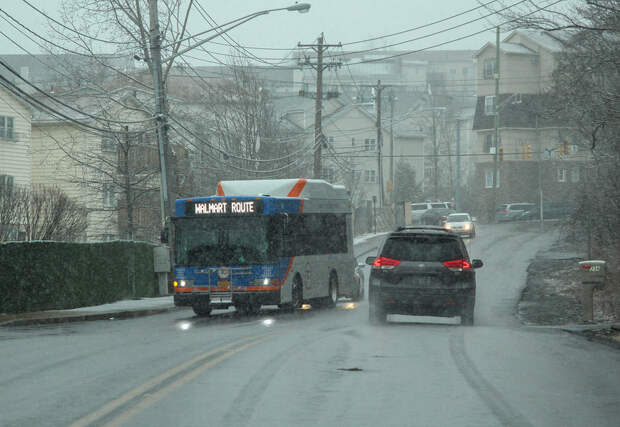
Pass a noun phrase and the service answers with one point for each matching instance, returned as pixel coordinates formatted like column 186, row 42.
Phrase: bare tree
column 10, row 197
column 49, row 214
column 238, row 133
column 40, row 213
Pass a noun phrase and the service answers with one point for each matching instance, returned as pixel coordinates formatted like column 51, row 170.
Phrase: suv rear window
column 419, row 207
column 422, row 248
column 438, row 205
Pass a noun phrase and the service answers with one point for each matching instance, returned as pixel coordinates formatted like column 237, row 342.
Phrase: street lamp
column 155, row 48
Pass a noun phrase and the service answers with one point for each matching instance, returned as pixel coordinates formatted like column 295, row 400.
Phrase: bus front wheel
column 202, row 308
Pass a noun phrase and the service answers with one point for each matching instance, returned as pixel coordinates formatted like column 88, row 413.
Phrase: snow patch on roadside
column 139, row 304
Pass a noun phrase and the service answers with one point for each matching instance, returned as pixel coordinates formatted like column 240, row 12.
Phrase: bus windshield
column 218, row 241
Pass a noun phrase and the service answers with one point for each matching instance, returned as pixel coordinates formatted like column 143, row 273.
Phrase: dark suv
column 422, row 271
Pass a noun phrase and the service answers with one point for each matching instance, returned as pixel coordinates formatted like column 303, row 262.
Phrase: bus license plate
column 223, row 284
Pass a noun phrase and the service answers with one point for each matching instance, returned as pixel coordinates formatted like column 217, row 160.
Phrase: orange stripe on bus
column 298, row 187
column 263, row 288
column 183, row 290
column 220, row 190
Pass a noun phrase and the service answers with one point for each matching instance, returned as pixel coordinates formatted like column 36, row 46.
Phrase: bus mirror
column 163, row 238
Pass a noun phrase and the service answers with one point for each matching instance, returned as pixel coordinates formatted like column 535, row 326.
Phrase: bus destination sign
column 224, row 207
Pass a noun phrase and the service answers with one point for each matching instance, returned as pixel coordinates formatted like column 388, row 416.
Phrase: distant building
column 530, row 141
column 64, row 71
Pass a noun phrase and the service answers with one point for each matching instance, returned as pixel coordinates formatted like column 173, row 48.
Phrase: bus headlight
column 183, row 283
column 266, row 281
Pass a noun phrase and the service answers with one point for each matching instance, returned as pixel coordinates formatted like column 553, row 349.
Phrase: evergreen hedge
column 37, row 276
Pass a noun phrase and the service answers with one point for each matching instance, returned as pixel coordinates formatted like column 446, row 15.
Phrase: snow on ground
column 130, row 304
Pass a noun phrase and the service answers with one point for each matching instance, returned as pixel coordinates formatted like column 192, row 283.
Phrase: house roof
column 508, row 48
column 550, row 41
column 17, row 98
column 86, row 101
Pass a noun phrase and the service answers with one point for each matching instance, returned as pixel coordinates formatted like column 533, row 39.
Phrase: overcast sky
column 340, row 20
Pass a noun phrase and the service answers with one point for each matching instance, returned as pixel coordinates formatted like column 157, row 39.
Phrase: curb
column 82, row 317
column 590, row 335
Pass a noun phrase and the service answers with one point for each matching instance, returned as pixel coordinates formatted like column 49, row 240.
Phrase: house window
column 488, row 179
column 370, row 145
column 330, row 140
column 489, row 105
column 488, row 143
column 489, row 68
column 6, row 183
column 561, row 174
column 352, row 142
column 357, row 175
column 108, row 195
column 6, row 128
column 370, row 176
column 108, row 144
column 574, row 175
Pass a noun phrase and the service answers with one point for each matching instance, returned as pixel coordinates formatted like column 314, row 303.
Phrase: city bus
column 285, row 242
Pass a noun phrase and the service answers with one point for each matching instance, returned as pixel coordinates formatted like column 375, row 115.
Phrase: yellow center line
column 150, row 399
column 137, row 391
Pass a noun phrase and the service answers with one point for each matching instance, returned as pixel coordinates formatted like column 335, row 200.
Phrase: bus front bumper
column 245, row 297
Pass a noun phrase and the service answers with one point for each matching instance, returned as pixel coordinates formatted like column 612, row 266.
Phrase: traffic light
column 528, row 151
column 500, row 154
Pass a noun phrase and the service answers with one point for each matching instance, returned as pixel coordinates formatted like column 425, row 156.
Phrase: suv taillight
column 383, row 263
column 457, row 265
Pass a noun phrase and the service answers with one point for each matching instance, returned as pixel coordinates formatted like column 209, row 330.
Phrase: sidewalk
column 124, row 309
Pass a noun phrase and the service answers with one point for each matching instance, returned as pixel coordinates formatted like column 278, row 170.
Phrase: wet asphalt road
column 318, row 367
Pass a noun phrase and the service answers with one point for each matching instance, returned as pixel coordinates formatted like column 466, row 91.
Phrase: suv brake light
column 457, row 265
column 383, row 263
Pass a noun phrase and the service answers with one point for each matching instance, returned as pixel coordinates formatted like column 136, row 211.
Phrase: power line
column 38, row 104
column 91, row 55
column 73, row 30
column 11, row 70
column 439, row 21
column 457, row 39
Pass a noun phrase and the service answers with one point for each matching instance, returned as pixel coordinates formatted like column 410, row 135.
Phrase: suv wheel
column 376, row 314
column 467, row 315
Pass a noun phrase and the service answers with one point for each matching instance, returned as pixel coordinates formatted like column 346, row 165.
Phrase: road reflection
column 268, row 316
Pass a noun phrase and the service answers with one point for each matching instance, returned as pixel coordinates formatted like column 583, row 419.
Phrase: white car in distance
column 462, row 224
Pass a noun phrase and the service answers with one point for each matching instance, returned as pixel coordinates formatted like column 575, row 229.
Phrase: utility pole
column 160, row 108
column 379, row 89
column 392, row 99
column 435, row 157
column 457, row 193
column 540, row 172
column 319, row 48
column 496, row 108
